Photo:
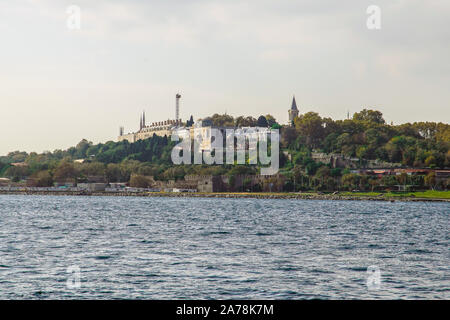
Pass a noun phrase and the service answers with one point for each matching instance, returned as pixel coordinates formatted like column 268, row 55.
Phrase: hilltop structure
column 165, row 128
column 293, row 112
column 160, row 128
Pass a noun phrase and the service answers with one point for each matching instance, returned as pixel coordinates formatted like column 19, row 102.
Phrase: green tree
column 262, row 122
column 288, row 136
column 81, row 148
column 270, row 120
column 65, row 170
column 430, row 180
column 310, row 126
column 138, row 181
column 374, row 182
column 369, row 116
column 17, row 173
column 350, row 181
column 42, row 179
column 113, row 173
column 402, row 179
column 430, row 161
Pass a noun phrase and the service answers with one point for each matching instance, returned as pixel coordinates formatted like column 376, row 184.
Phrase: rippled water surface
column 174, row 248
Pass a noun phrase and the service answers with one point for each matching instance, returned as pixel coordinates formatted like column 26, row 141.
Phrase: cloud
column 229, row 55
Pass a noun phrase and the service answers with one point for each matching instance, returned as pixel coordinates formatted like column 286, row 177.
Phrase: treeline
column 226, row 120
column 155, row 149
column 366, row 136
column 328, row 179
column 116, row 160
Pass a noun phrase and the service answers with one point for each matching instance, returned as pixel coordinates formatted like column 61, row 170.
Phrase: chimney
column 177, row 106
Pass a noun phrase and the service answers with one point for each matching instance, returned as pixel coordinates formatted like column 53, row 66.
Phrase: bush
column 138, row 181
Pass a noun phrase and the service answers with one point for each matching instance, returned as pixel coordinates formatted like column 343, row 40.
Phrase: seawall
column 300, row 196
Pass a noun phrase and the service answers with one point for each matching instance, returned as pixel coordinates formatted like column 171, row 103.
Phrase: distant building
column 4, row 182
column 442, row 175
column 92, row 186
column 209, row 184
column 160, row 128
column 19, row 164
column 68, row 183
column 118, row 185
column 224, row 183
column 293, row 112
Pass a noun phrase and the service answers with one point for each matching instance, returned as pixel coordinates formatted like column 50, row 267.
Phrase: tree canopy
column 365, row 136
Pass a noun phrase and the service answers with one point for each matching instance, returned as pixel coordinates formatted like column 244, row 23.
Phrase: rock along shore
column 299, row 196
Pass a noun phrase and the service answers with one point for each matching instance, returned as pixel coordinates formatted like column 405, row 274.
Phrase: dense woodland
column 366, row 136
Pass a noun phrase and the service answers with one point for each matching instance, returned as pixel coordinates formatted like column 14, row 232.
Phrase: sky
column 59, row 85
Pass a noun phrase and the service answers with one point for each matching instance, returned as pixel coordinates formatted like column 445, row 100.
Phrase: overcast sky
column 59, row 85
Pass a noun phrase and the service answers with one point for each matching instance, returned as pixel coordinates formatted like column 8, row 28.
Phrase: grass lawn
column 418, row 194
column 423, row 194
column 393, row 194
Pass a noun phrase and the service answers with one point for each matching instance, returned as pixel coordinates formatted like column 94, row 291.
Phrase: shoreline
column 229, row 195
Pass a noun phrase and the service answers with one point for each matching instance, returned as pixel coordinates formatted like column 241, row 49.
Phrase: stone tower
column 293, row 112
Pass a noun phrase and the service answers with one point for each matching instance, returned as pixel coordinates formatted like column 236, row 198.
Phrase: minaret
column 293, row 112
column 140, row 123
column 143, row 119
